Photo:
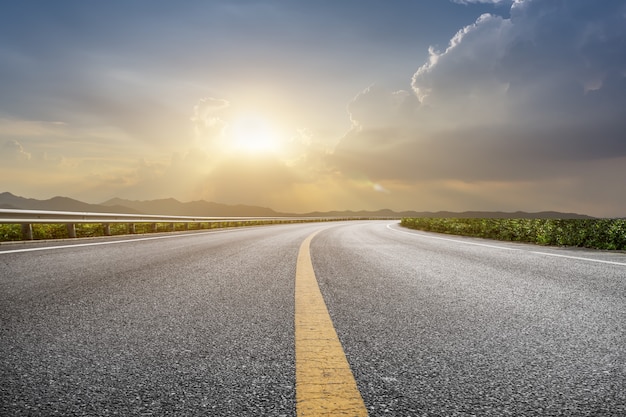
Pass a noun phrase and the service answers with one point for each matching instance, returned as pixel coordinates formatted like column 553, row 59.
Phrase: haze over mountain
column 167, row 206
column 11, row 201
column 171, row 206
column 193, row 208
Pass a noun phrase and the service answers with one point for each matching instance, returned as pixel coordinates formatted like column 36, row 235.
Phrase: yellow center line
column 325, row 385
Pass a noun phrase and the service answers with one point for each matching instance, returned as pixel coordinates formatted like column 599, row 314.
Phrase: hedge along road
column 204, row 324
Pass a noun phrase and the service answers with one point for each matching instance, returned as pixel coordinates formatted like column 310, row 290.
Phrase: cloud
column 377, row 108
column 230, row 178
column 96, row 165
column 519, row 107
column 29, row 128
column 529, row 101
column 208, row 125
column 13, row 152
column 516, row 99
column 553, row 64
column 204, row 113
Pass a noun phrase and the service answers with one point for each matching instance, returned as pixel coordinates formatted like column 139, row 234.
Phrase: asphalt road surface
column 202, row 323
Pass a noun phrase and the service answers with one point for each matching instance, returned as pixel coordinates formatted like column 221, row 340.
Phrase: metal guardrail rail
column 29, row 217
column 14, row 216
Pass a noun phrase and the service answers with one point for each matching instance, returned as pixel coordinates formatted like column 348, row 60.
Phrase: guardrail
column 29, row 217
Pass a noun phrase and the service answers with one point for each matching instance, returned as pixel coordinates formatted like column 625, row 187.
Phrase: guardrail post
column 172, row 227
column 131, row 228
column 71, row 230
column 186, row 226
column 27, row 231
column 155, row 227
column 107, row 229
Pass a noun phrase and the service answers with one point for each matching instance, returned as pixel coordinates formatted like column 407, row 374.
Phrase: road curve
column 202, row 323
column 440, row 325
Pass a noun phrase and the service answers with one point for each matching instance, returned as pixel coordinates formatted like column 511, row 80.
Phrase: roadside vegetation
column 13, row 232
column 586, row 233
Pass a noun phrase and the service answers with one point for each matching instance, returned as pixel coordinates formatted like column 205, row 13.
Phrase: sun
column 252, row 133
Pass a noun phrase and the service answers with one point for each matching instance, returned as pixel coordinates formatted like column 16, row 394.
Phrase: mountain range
column 201, row 208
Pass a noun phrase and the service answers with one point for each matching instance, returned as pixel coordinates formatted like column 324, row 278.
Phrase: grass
column 607, row 234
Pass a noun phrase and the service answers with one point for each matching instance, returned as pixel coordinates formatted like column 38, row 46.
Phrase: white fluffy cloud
column 533, row 97
column 550, row 61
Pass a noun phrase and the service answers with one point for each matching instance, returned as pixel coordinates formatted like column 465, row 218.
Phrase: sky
column 318, row 105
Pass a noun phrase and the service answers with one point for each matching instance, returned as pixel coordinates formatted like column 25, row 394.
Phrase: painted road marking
column 114, row 242
column 325, row 385
column 465, row 242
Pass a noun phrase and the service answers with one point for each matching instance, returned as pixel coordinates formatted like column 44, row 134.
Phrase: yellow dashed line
column 325, row 385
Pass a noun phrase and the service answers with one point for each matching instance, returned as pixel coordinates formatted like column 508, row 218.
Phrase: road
column 202, row 323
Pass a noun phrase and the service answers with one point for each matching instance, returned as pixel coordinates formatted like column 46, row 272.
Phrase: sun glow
column 253, row 133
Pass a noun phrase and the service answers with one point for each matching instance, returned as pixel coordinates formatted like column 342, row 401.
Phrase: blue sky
column 302, row 106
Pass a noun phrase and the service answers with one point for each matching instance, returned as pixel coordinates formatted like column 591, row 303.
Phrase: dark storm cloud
column 520, row 98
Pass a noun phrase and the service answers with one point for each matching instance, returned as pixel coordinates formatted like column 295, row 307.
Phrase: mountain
column 201, row 208
column 451, row 214
column 10, row 201
column 499, row 215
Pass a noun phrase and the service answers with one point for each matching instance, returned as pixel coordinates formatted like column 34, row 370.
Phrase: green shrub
column 10, row 232
column 588, row 233
column 57, row 231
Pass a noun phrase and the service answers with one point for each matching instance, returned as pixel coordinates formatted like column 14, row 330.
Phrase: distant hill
column 201, row 208
column 452, row 214
column 10, row 201
column 498, row 215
